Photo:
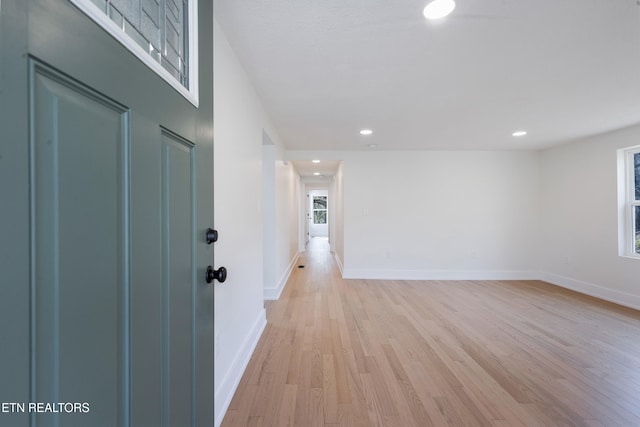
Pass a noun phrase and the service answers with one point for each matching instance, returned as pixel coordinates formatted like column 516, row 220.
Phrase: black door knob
column 220, row 274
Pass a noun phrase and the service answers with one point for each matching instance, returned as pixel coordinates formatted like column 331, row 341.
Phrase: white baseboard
column 339, row 262
column 274, row 293
column 591, row 289
column 384, row 274
column 232, row 377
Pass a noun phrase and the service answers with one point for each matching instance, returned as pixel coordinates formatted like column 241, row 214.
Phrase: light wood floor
column 435, row 353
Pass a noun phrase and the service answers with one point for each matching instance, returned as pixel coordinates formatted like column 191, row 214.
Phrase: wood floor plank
column 287, row 409
column 374, row 409
column 438, row 353
column 330, row 392
column 416, row 408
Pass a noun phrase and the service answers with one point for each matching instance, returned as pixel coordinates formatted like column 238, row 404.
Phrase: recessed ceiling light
column 519, row 133
column 366, row 132
column 315, row 161
column 316, row 173
column 438, row 9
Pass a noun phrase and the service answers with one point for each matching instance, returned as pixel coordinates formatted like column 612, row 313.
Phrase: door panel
column 179, row 279
column 146, row 274
column 80, row 246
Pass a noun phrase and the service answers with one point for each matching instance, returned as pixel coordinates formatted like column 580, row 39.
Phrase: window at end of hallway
column 319, row 209
column 629, row 201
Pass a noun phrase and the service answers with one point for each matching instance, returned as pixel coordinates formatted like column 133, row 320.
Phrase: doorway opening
column 321, row 206
column 318, row 213
column 318, row 219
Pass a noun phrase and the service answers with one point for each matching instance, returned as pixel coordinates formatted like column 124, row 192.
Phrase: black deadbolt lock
column 212, row 235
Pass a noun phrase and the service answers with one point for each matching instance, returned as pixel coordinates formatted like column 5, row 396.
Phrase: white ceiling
column 560, row 69
column 306, row 168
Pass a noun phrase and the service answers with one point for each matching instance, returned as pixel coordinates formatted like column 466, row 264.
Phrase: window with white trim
column 629, row 198
column 319, row 209
column 161, row 33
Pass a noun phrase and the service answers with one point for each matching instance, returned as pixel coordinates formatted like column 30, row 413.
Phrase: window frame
column 627, row 202
column 191, row 93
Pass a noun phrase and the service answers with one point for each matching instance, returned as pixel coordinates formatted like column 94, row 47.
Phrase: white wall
column 580, row 219
column 441, row 215
column 268, row 213
column 280, row 195
column 239, row 311
column 337, row 217
column 287, row 195
column 239, row 120
column 550, row 215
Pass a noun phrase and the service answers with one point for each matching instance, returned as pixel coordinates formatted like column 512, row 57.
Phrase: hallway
column 437, row 353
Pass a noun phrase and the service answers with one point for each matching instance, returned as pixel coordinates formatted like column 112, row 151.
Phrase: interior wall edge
column 592, row 289
column 272, row 294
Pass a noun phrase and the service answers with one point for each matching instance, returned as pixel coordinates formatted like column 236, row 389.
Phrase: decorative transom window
column 629, row 201
column 161, row 33
column 319, row 209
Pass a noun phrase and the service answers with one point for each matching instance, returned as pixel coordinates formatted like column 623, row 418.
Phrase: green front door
column 107, row 190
